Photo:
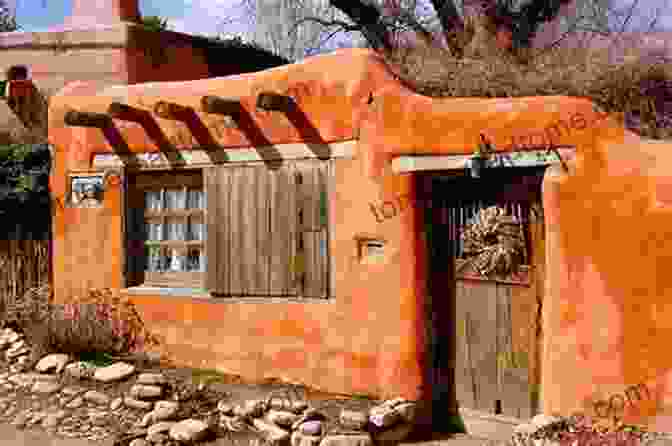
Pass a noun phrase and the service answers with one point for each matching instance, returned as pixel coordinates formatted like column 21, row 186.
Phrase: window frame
column 138, row 182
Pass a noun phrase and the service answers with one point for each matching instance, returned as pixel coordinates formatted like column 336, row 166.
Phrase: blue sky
column 192, row 16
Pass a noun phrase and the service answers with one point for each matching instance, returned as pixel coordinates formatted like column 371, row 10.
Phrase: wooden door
column 494, row 335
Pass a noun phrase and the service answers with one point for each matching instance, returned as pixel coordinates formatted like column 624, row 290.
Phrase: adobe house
column 104, row 43
column 289, row 223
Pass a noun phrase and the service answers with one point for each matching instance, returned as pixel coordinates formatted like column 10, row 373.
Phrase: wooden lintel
column 87, row 119
column 171, row 110
column 274, row 102
column 117, row 110
column 220, row 106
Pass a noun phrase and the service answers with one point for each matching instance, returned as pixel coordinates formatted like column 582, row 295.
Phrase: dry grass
column 637, row 83
column 23, row 264
column 100, row 322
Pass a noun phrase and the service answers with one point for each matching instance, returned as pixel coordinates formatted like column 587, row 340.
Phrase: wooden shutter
column 267, row 230
column 312, row 225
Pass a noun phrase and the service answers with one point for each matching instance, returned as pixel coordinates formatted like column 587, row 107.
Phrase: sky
column 195, row 16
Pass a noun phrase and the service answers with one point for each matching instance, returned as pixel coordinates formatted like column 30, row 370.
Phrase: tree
column 7, row 18
column 155, row 23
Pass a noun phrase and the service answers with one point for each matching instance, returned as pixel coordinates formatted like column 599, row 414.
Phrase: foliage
column 155, row 23
column 100, row 324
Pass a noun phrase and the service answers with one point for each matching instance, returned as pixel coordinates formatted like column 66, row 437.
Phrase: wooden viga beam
column 117, row 110
column 274, row 102
column 221, row 106
column 87, row 119
column 171, row 110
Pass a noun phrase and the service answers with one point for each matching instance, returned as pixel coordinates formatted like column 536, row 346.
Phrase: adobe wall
column 607, row 312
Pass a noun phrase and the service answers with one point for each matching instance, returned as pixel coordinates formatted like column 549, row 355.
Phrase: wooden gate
column 489, row 335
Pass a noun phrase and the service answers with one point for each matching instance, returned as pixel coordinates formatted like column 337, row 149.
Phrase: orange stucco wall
column 604, row 308
column 608, row 294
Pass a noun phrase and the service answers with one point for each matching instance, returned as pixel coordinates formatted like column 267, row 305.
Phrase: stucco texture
column 606, row 225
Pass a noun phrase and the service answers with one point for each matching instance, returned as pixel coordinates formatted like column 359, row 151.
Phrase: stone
column 46, row 387
column 114, row 372
column 299, row 406
column 384, row 419
column 99, row 419
column 309, row 414
column 160, row 427
column 165, row 410
column 311, row 428
column 542, row 420
column 280, row 404
column 146, row 420
column 22, row 379
column 272, row 434
column 252, row 408
column 299, row 439
column 52, row 363
column 393, row 402
column 80, row 370
column 352, row 419
column 72, row 391
column 225, row 408
column 116, row 403
column 395, row 434
column 11, row 354
column 141, row 391
column 20, row 420
column 152, row 379
column 363, row 439
column 158, row 438
column 76, row 403
column 525, row 429
column 189, row 430
column 132, row 403
column 96, row 397
column 139, row 442
column 54, row 419
column 281, row 418
column 19, row 343
column 407, row 412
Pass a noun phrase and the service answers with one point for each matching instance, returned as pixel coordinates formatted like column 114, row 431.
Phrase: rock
column 407, row 412
column 225, row 408
column 272, row 434
column 393, row 403
column 97, row 397
column 152, row 379
column 20, row 420
column 146, row 420
column 363, row 439
column 253, row 408
column 299, row 406
column 19, row 343
column 188, row 430
column 542, row 420
column 46, row 387
column 395, row 434
column 11, row 354
column 80, row 370
column 139, row 442
column 132, row 403
column 525, row 429
column 281, row 418
column 114, row 372
column 54, row 419
column 384, row 419
column 351, row 419
column 140, row 391
column 311, row 428
column 52, row 363
column 22, row 379
column 165, row 410
column 310, row 414
column 99, row 419
column 158, row 438
column 71, row 391
column 162, row 426
column 116, row 403
column 299, row 439
column 279, row 404
column 76, row 403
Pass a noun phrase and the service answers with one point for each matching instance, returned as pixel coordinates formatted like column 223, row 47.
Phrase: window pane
column 176, row 228
column 196, row 260
column 196, row 229
column 176, row 199
column 153, row 201
column 154, row 259
column 195, row 199
column 176, row 260
column 154, row 231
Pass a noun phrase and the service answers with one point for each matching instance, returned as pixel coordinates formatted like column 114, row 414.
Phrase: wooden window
column 268, row 231
column 167, row 230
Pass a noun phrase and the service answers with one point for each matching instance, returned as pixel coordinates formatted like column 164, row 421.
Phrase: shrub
column 101, row 321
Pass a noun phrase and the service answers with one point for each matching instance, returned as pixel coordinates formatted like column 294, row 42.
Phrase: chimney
column 92, row 13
